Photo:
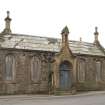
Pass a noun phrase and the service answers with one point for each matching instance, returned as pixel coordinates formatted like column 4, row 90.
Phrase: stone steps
column 61, row 92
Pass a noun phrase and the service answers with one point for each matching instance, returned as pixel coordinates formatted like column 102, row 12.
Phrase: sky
column 48, row 17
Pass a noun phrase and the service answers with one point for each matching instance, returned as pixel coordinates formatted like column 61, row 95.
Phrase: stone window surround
column 32, row 60
column 14, row 69
column 81, row 60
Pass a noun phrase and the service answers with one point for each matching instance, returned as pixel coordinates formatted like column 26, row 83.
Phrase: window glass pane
column 81, row 71
column 35, row 69
column 98, row 70
column 9, row 66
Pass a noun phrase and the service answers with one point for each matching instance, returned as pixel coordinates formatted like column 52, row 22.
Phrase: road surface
column 84, row 99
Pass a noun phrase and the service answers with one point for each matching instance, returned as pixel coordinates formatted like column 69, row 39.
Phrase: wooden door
column 65, row 76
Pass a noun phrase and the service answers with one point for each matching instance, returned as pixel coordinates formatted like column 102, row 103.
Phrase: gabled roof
column 28, row 42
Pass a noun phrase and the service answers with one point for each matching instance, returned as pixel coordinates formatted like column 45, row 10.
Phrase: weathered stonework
column 22, row 82
column 91, row 82
column 33, row 64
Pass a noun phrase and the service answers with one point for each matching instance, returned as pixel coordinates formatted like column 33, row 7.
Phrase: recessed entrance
column 65, row 75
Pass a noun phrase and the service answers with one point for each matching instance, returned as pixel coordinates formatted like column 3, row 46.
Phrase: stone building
column 34, row 64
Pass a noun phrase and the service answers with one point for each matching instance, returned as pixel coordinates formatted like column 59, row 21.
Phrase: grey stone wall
column 22, row 82
column 93, row 77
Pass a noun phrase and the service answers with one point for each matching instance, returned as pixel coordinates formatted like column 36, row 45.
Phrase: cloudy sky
column 48, row 17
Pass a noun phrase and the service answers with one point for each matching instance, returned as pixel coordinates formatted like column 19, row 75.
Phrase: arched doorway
column 65, row 75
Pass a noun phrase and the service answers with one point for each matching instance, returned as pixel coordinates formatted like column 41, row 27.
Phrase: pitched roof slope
column 28, row 42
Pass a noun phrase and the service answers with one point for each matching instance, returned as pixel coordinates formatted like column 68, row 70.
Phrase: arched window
column 98, row 70
column 9, row 67
column 81, row 71
column 103, row 70
column 35, row 69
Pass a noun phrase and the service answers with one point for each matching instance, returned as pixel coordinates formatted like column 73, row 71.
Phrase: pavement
column 84, row 98
column 88, row 93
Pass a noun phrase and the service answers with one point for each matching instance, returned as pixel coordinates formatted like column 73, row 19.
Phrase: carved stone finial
column 65, row 30
column 96, row 35
column 96, row 31
column 7, row 29
column 8, row 16
column 80, row 39
column 8, row 13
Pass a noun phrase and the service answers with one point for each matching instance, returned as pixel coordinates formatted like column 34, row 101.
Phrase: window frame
column 35, row 60
column 98, row 73
column 13, row 68
column 79, row 70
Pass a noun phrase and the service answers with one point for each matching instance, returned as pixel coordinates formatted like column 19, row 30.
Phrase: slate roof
column 28, row 42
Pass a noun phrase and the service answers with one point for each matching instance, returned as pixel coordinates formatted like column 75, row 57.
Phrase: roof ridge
column 47, row 37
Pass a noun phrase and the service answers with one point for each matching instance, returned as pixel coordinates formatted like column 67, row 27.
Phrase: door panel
column 65, row 82
column 65, row 78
